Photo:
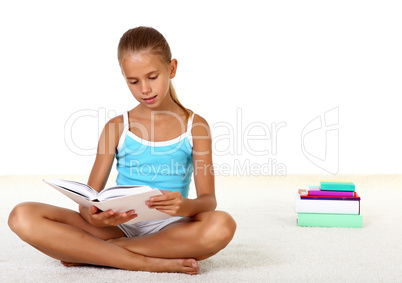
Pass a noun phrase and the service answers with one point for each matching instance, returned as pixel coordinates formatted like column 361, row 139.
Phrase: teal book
column 330, row 220
column 337, row 186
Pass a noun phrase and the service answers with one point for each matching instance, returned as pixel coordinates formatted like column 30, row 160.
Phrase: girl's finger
column 165, row 197
column 160, row 203
column 130, row 214
column 93, row 210
column 103, row 215
column 160, row 198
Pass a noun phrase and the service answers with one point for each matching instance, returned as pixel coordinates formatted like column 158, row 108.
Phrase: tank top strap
column 190, row 124
column 125, row 120
column 125, row 131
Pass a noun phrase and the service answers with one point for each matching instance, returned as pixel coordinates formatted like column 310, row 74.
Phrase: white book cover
column 118, row 198
column 326, row 206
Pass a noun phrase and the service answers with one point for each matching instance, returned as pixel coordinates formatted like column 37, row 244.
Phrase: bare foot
column 190, row 265
column 153, row 264
column 187, row 265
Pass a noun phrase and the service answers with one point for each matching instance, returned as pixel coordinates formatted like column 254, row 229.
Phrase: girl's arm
column 107, row 145
column 105, row 155
column 172, row 202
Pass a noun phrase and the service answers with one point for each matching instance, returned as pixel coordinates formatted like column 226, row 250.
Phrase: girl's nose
column 145, row 88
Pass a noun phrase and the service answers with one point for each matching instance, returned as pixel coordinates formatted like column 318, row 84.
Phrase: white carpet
column 268, row 245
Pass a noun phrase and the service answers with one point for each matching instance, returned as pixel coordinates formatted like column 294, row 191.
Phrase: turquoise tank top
column 166, row 165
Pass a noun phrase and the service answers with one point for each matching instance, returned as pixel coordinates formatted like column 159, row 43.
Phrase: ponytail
column 174, row 97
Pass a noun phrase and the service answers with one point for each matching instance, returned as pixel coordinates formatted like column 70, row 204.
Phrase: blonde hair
column 148, row 39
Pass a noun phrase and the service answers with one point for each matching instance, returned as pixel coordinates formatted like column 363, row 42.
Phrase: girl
column 158, row 143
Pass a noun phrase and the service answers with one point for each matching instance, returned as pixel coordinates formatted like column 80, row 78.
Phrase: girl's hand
column 172, row 203
column 100, row 218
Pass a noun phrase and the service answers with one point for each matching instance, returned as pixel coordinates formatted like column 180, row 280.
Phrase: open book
column 118, row 198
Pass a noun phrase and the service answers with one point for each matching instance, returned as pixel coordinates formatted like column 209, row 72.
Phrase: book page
column 121, row 191
column 74, row 187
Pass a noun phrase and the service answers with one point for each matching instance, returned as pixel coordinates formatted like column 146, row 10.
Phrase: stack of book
column 332, row 204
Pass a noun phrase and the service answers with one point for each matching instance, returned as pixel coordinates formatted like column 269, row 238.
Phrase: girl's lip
column 150, row 99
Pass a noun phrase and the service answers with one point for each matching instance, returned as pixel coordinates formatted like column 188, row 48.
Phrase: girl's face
column 148, row 78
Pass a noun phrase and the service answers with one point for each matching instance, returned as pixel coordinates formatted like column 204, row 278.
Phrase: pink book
column 331, row 193
column 305, row 194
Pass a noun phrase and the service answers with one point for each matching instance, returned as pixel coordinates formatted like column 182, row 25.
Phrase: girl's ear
column 173, row 68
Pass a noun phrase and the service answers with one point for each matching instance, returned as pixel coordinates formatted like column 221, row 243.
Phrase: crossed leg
column 203, row 236
column 63, row 234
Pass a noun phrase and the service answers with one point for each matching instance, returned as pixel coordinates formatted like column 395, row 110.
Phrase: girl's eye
column 153, row 78
column 134, row 82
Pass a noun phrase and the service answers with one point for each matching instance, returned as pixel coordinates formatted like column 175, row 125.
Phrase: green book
column 337, row 186
column 330, row 220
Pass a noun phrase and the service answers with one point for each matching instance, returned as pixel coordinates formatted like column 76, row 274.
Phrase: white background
column 247, row 64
